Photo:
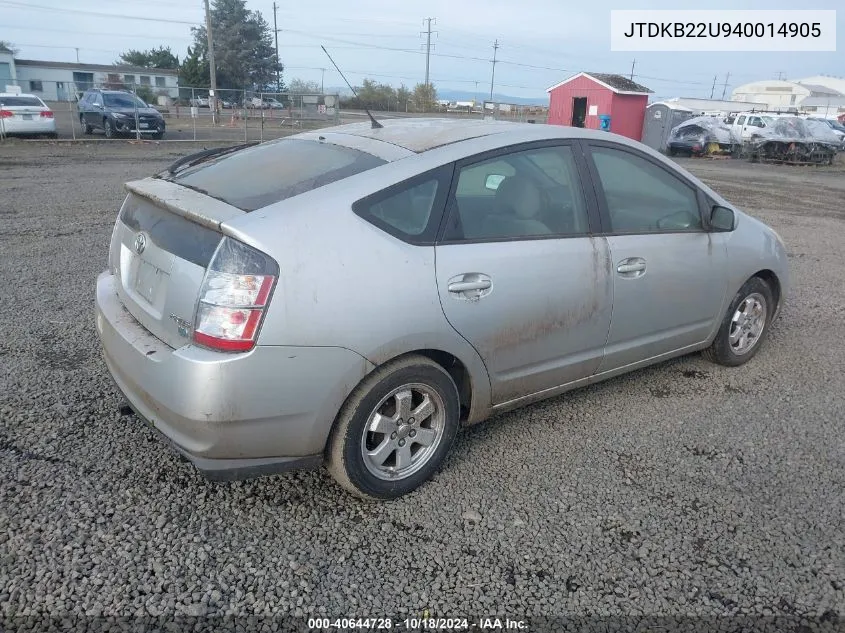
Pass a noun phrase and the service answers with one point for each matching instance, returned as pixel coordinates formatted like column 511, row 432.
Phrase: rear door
column 519, row 274
column 669, row 273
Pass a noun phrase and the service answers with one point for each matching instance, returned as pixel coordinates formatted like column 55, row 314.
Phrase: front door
column 519, row 275
column 669, row 273
column 579, row 111
column 61, row 91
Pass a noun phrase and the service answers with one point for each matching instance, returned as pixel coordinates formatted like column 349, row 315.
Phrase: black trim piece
column 170, row 232
column 598, row 189
column 577, row 154
column 443, row 176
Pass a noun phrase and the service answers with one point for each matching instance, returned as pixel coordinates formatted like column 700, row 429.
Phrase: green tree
column 8, row 47
column 244, row 55
column 425, row 97
column 193, row 72
column 403, row 96
column 161, row 57
column 301, row 86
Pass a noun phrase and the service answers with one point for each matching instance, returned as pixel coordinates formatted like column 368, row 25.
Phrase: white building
column 64, row 81
column 714, row 106
column 779, row 94
column 836, row 84
column 830, row 105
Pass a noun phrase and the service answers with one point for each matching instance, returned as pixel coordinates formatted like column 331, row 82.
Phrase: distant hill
column 462, row 95
column 468, row 95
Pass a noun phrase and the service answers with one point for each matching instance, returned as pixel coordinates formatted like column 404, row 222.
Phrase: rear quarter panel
column 346, row 283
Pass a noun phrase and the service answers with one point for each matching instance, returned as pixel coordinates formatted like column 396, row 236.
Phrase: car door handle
column 464, row 286
column 632, row 267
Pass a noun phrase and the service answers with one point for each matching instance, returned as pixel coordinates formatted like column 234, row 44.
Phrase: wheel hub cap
column 403, row 432
column 747, row 323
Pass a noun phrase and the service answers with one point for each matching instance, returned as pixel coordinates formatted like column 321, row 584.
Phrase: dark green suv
column 118, row 113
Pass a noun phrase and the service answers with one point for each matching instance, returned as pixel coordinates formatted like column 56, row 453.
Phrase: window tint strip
column 171, row 232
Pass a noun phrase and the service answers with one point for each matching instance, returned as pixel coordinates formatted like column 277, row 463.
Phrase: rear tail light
column 46, row 114
column 233, row 297
column 5, row 114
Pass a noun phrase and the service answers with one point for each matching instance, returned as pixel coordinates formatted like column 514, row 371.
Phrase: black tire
column 108, row 129
column 158, row 135
column 86, row 129
column 673, row 151
column 722, row 351
column 52, row 135
column 344, row 452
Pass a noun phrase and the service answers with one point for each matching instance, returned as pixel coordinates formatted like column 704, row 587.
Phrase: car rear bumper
column 35, row 126
column 232, row 415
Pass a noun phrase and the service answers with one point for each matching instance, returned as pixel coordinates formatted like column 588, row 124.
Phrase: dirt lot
column 684, row 490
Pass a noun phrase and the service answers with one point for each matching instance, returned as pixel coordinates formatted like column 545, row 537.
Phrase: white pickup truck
column 746, row 125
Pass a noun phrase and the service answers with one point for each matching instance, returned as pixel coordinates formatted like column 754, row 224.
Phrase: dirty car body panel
column 412, row 238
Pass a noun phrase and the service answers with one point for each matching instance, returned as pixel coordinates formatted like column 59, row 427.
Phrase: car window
column 482, row 180
column 98, row 99
column 642, row 197
column 22, row 101
column 530, row 193
column 276, row 170
column 408, row 210
column 122, row 101
column 741, row 120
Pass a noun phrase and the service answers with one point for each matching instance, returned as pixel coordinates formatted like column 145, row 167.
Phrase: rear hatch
column 160, row 250
column 170, row 226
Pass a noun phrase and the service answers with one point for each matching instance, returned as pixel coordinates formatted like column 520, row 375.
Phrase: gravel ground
column 684, row 490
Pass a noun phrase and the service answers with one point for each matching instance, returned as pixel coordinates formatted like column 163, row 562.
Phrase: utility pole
column 427, row 34
column 713, row 89
column 322, row 80
column 493, row 74
column 276, row 33
column 633, row 64
column 212, row 101
column 77, row 55
column 725, row 87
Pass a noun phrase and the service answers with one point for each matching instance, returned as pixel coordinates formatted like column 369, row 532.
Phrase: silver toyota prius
column 352, row 296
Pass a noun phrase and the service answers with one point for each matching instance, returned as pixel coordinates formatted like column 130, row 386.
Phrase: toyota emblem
column 140, row 243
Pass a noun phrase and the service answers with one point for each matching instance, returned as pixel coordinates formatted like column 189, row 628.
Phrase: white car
column 25, row 114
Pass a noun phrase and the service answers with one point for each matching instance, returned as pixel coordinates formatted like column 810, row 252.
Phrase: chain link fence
column 188, row 114
column 496, row 110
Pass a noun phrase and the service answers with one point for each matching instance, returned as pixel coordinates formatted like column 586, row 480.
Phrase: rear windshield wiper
column 204, row 155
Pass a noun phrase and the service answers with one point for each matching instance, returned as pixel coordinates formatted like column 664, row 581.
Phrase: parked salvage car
column 793, row 140
column 352, row 296
column 25, row 114
column 836, row 126
column 701, row 135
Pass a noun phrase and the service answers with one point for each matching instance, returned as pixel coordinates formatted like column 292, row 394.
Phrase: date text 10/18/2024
column 416, row 624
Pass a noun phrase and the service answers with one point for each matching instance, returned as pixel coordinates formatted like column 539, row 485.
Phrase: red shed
column 586, row 98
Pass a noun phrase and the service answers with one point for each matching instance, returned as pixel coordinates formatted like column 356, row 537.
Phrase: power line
column 20, row 5
column 78, row 32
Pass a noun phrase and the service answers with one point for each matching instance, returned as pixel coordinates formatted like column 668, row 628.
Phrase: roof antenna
column 374, row 124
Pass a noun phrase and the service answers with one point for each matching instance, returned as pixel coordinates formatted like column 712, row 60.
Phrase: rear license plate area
column 27, row 117
column 148, row 280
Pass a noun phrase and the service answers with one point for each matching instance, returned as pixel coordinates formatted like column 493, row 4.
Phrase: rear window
column 21, row 101
column 258, row 176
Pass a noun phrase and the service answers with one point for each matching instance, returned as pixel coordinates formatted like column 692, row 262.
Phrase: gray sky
column 541, row 41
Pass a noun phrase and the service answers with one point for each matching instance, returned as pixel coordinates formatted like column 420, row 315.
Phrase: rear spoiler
column 188, row 203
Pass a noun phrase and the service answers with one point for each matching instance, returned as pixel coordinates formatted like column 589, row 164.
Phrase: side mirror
column 722, row 219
